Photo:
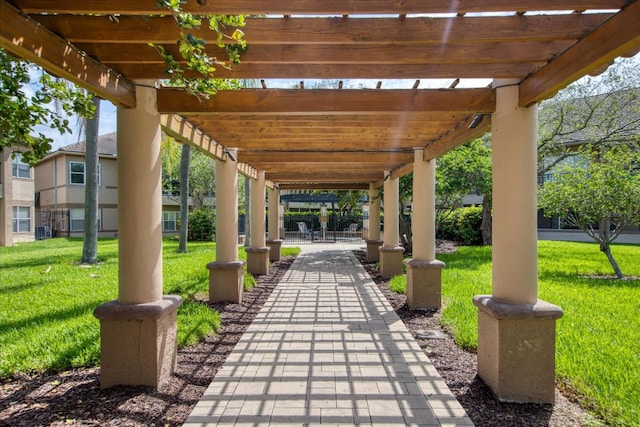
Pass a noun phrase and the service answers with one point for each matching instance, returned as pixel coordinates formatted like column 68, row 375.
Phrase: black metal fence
column 311, row 229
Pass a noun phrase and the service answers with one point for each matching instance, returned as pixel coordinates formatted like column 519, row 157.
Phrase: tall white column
column 423, row 222
column 515, row 221
column 274, row 201
column 391, row 207
column 141, row 318
column 516, row 330
column 373, row 238
column 139, row 200
column 391, row 251
column 374, row 213
column 227, row 208
column 274, row 243
column 258, row 238
column 424, row 272
column 258, row 253
column 226, row 273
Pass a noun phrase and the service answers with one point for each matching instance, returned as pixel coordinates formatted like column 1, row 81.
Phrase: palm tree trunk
column 90, row 244
column 485, row 226
column 185, row 158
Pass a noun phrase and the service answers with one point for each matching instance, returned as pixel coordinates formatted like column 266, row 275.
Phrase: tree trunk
column 90, row 243
column 605, row 239
column 185, row 158
column 604, row 247
column 485, row 226
column 247, row 211
column 406, row 235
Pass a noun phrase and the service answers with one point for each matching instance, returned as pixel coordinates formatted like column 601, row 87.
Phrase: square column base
column 373, row 250
column 258, row 260
column 424, row 283
column 516, row 349
column 138, row 342
column 226, row 281
column 274, row 250
column 391, row 261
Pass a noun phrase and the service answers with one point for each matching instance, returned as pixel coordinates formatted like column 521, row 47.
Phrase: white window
column 21, row 219
column 77, row 173
column 20, row 169
column 170, row 220
column 76, row 218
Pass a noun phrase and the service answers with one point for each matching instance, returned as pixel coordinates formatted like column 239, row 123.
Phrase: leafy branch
column 193, row 50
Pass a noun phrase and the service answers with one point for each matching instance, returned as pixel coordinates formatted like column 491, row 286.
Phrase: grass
column 598, row 338
column 47, row 300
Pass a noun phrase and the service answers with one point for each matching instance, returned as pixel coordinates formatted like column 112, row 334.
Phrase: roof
column 342, row 136
column 107, row 145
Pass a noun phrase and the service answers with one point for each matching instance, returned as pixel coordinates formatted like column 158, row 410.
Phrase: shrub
column 202, row 225
column 463, row 225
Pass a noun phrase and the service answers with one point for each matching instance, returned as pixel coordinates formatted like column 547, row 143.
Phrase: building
column 16, row 199
column 60, row 192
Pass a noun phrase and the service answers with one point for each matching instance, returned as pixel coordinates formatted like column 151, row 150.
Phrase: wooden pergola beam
column 369, row 53
column 324, row 186
column 312, row 7
column 25, row 38
column 461, row 134
column 335, row 157
column 615, row 37
column 187, row 133
column 346, row 177
column 274, row 101
column 316, row 31
column 344, row 71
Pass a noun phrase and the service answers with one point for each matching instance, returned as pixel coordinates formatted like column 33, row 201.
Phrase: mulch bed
column 74, row 398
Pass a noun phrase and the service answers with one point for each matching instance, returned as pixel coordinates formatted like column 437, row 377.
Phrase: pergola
column 333, row 139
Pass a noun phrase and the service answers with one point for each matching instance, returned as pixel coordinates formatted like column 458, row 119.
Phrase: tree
column 185, row 160
column 21, row 112
column 601, row 111
column 90, row 241
column 464, row 170
column 598, row 195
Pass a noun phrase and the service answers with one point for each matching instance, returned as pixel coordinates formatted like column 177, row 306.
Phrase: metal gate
column 310, row 229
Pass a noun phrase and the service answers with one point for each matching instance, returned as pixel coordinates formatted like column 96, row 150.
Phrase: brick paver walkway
column 327, row 348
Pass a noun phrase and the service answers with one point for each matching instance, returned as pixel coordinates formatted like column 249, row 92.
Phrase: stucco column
column 373, row 237
column 226, row 272
column 274, row 242
column 424, row 272
column 391, row 251
column 258, row 252
column 141, row 318
column 516, row 330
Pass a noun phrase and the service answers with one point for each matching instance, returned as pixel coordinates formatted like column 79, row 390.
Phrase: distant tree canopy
column 601, row 112
column 600, row 195
column 23, row 108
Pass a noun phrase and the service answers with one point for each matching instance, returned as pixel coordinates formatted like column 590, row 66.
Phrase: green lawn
column 47, row 300
column 598, row 338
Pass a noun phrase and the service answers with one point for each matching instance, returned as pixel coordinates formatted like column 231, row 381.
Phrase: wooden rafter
column 457, row 136
column 615, row 37
column 27, row 39
column 324, row 7
column 324, row 186
column 314, row 31
column 187, row 133
column 274, row 101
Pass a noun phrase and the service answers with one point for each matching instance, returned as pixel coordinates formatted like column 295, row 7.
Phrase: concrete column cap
column 499, row 310
column 416, row 263
column 258, row 249
column 374, row 242
column 221, row 265
column 113, row 310
column 391, row 249
column 275, row 241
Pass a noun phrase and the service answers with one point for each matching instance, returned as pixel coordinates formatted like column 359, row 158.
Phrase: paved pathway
column 327, row 349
